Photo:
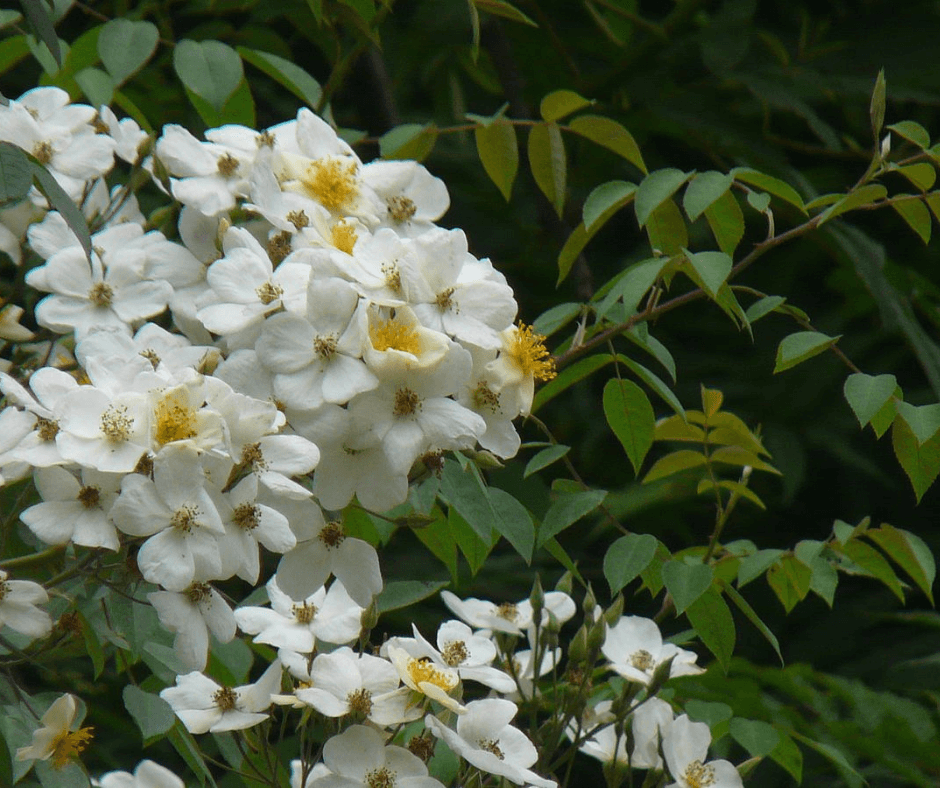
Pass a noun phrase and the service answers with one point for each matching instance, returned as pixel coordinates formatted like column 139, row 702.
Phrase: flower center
column 444, row 300
column 484, row 398
column 325, row 347
column 401, row 209
column 299, row 219
column 642, row 660
column 4, row 590
column 392, row 277
column 455, row 653
column 43, row 151
column 69, row 744
column 528, row 352
column 47, row 429
column 491, row 746
column 360, row 701
column 225, row 698
column 392, row 335
column 304, row 613
column 101, row 294
column 151, row 356
column 175, row 419
column 185, row 519
column 268, row 292
column 116, row 424
column 698, row 775
column 198, row 592
column 425, row 670
column 406, row 402
column 508, row 611
column 380, row 778
column 251, row 455
column 89, row 496
column 279, row 246
column 344, row 237
column 332, row 182
column 422, row 746
column 332, row 534
column 228, row 165
column 265, row 139
column 247, row 515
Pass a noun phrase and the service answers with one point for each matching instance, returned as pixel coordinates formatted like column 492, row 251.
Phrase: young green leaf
column 514, row 522
column 554, row 318
column 566, row 510
column 465, row 491
column 790, row 579
column 612, row 135
column 627, row 558
column 876, row 110
column 768, row 183
column 867, row 394
column 561, row 103
column 873, row 563
column 548, row 163
column 726, row 222
column 763, row 307
column 655, row 383
column 613, row 194
column 912, row 131
column 710, row 617
column 711, row 268
column 630, row 416
column 864, row 195
column 656, row 188
column 125, row 45
column 568, row 377
column 289, row 75
column 920, row 461
column 744, row 606
column 404, row 593
column 910, row 553
column 801, row 346
column 757, row 737
column 754, row 565
column 924, row 420
column 210, row 69
column 545, row 458
column 915, row 213
column 703, row 190
column 922, row 175
column 499, row 153
column 678, row 461
column 686, row 582
column 667, row 230
column 410, row 141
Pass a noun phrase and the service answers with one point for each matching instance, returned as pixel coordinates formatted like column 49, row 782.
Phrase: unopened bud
column 578, row 650
column 589, row 603
column 660, row 676
column 485, row 459
column 565, row 583
column 615, row 611
column 369, row 617
column 415, row 520
column 537, row 599
column 886, row 146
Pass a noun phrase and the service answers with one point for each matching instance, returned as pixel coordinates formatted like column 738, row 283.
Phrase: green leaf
column 410, row 141
column 12, row 51
column 801, row 346
column 876, row 109
column 505, row 10
column 867, row 394
column 757, row 737
column 15, row 173
column 656, row 188
column 789, row 756
column 655, row 383
column 287, row 74
column 474, row 549
column 885, row 416
column 712, row 269
column 678, row 461
column 627, row 558
column 686, row 582
column 630, row 416
column 754, row 565
column 554, row 318
column 872, row 562
column 153, row 715
column 125, row 45
column 210, row 69
column 915, row 213
column 864, row 195
column 71, row 775
column 561, row 103
column 439, row 539
column 744, row 606
column 667, row 230
column 759, row 201
column 568, row 377
column 763, row 307
column 913, row 132
column 910, row 553
column 610, row 134
column 40, row 20
column 726, row 222
column 768, row 183
column 92, row 645
column 514, row 522
column 548, row 163
column 737, row 455
column 823, row 201
column 464, row 490
column 715, row 714
column 924, row 420
column 652, row 576
column 613, row 194
column 703, row 190
column 61, row 202
column 641, row 337
column 498, row 150
column 922, row 175
column 834, row 756
column 710, row 617
column 920, row 461
column 790, row 580
column 825, row 578
column 403, row 593
column 545, row 458
column 632, row 285
column 566, row 510
column 184, row 743
column 96, row 85
column 739, row 489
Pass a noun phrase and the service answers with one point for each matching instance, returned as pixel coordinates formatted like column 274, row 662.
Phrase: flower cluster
column 304, row 335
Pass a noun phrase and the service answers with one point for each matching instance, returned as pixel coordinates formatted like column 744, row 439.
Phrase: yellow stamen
column 423, row 670
column 344, row 237
column 69, row 744
column 392, row 335
column 528, row 352
column 332, row 182
column 175, row 420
